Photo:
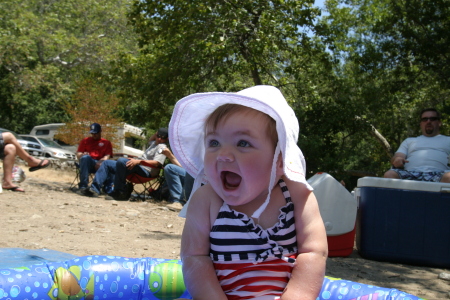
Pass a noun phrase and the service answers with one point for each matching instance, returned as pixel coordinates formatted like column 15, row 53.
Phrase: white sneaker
column 175, row 206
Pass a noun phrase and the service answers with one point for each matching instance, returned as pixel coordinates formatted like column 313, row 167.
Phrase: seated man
column 124, row 166
column 425, row 157
column 92, row 152
column 9, row 148
column 178, row 181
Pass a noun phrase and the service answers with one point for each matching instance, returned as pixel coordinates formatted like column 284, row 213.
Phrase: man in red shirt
column 91, row 152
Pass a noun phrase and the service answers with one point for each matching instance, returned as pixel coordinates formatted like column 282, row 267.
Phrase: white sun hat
column 187, row 131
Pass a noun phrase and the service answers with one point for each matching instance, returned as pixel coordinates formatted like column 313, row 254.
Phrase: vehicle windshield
column 6, row 130
column 49, row 143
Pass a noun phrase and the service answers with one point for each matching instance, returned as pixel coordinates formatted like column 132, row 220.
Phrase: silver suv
column 50, row 148
column 32, row 148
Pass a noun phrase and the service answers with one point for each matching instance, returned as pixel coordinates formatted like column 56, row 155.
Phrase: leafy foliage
column 90, row 104
column 47, row 46
column 392, row 58
column 197, row 46
column 356, row 86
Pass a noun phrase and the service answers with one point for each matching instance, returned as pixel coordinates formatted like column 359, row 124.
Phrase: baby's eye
column 243, row 143
column 213, row 143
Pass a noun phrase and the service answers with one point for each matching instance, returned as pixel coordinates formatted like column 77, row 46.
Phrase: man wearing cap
column 92, row 152
column 123, row 167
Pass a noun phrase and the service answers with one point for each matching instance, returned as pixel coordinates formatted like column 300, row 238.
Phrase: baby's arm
column 309, row 269
column 198, row 270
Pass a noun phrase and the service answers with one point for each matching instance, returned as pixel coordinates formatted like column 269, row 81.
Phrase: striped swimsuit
column 247, row 258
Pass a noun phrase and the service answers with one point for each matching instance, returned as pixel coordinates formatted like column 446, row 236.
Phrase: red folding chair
column 143, row 186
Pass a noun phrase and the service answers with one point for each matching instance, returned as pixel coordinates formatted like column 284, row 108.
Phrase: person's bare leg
column 8, row 164
column 9, row 138
column 391, row 174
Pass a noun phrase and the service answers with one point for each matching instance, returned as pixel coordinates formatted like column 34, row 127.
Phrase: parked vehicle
column 131, row 144
column 48, row 131
column 50, row 148
column 31, row 147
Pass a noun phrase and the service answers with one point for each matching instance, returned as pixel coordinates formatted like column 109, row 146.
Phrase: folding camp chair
column 76, row 180
column 144, row 186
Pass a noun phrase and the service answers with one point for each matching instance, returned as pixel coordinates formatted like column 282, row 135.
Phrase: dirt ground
column 49, row 215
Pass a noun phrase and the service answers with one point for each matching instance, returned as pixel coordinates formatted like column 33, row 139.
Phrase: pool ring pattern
column 113, row 277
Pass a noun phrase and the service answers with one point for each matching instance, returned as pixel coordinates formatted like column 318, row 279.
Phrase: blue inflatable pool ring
column 113, row 277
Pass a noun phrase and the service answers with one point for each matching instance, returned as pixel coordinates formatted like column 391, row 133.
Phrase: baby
column 253, row 228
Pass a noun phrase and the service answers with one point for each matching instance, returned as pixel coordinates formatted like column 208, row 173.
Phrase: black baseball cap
column 95, row 128
column 163, row 133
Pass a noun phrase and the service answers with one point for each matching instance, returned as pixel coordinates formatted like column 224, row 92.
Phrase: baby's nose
column 225, row 154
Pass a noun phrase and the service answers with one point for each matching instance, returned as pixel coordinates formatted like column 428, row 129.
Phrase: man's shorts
column 419, row 176
column 2, row 147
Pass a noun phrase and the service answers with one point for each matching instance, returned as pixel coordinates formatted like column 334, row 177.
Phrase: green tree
column 385, row 73
column 47, row 46
column 229, row 45
column 195, row 46
column 356, row 78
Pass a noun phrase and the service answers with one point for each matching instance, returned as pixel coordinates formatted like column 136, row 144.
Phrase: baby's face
column 238, row 158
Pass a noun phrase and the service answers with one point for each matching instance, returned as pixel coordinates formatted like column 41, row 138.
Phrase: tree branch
column 378, row 136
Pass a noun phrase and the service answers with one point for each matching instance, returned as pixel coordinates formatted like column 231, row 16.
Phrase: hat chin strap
column 198, row 181
column 273, row 174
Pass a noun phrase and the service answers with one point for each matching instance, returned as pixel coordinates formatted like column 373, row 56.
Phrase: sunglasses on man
column 426, row 119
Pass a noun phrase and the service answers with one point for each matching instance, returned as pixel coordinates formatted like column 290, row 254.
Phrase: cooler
column 404, row 221
column 338, row 209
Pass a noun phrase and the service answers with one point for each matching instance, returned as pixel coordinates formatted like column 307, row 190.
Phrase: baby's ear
column 279, row 166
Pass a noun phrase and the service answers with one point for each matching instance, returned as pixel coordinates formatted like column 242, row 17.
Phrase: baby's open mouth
column 230, row 180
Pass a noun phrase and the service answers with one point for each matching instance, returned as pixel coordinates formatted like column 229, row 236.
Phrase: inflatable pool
column 40, row 276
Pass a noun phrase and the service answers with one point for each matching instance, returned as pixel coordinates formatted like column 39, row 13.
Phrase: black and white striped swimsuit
column 247, row 258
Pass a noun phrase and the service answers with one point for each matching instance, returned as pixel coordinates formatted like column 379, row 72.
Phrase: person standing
column 92, row 152
column 423, row 158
